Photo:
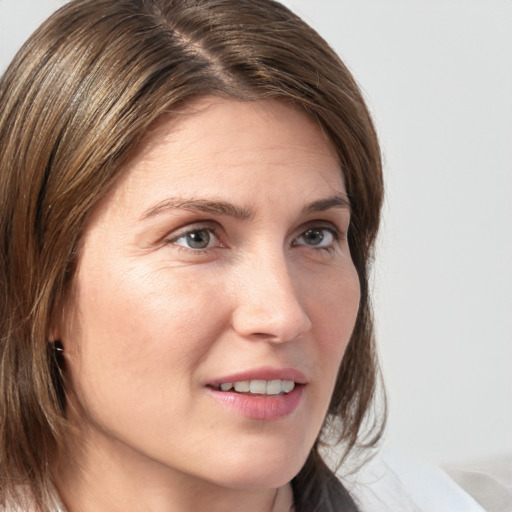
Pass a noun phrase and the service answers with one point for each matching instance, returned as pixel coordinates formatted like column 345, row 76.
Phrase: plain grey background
column 437, row 75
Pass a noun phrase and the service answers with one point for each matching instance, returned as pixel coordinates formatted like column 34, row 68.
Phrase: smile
column 259, row 387
column 262, row 397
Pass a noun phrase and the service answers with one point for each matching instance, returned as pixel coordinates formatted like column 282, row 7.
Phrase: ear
column 55, row 346
column 57, row 325
column 62, row 324
column 55, row 331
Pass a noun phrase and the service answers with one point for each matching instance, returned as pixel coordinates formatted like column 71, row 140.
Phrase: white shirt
column 398, row 483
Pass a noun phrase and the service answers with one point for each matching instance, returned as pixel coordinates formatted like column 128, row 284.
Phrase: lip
column 260, row 407
column 263, row 373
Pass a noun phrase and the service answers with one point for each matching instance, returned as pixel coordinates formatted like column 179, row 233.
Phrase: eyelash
column 212, row 230
column 333, row 231
column 337, row 236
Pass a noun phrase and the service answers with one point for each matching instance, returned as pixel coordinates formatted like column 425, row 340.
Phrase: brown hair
column 76, row 100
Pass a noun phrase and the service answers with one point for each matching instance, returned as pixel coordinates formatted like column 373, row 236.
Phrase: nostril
column 280, row 326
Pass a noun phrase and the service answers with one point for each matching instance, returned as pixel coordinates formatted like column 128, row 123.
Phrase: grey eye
column 197, row 239
column 316, row 237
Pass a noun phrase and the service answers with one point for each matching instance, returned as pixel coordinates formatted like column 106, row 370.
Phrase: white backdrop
column 438, row 77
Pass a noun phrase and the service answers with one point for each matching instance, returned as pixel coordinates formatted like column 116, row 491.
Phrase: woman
column 190, row 195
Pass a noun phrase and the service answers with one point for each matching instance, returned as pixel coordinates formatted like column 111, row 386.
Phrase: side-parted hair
column 74, row 104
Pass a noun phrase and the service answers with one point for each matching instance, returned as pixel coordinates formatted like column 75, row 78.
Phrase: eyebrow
column 335, row 201
column 200, row 205
column 220, row 207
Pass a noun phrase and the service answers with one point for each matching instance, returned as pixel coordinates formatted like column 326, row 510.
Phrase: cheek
column 140, row 327
column 148, row 306
column 334, row 317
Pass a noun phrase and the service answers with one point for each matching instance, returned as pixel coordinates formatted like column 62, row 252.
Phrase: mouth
column 258, row 387
column 260, row 394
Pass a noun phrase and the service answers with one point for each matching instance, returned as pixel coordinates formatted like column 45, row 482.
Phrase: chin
column 262, row 472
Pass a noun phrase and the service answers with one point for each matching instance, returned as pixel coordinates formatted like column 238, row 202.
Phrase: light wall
column 438, row 77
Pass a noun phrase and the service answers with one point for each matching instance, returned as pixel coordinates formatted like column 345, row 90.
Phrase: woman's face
column 214, row 298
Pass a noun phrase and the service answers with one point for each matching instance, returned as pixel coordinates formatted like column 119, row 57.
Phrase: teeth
column 274, row 387
column 242, row 387
column 288, row 385
column 259, row 387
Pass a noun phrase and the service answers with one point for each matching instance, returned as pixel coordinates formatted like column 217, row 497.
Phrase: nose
column 268, row 306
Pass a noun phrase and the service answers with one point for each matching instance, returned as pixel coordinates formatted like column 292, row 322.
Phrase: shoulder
column 399, row 483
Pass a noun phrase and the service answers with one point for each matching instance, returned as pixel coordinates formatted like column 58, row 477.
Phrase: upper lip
column 262, row 373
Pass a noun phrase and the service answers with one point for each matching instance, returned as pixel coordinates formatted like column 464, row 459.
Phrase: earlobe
column 58, row 327
column 56, row 345
column 54, row 341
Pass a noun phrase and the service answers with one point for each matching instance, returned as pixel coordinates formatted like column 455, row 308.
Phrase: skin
column 153, row 320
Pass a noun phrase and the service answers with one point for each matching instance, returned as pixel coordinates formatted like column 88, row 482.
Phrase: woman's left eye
column 197, row 239
column 317, row 237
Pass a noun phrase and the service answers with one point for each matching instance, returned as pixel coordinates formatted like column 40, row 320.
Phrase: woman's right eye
column 197, row 239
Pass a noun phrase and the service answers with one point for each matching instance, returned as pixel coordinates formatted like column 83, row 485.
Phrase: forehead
column 234, row 118
column 234, row 131
column 214, row 145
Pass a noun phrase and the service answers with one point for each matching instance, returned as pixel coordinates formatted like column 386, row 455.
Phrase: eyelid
column 331, row 229
column 210, row 226
column 336, row 227
column 337, row 231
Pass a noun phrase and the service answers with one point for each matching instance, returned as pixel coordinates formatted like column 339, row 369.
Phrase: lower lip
column 260, row 407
